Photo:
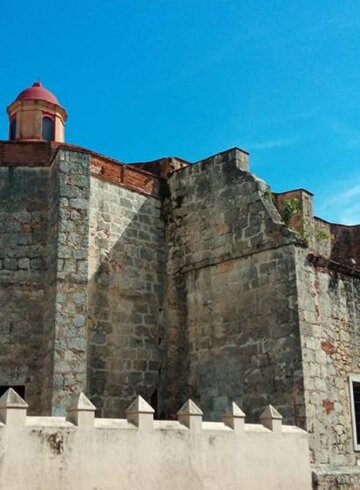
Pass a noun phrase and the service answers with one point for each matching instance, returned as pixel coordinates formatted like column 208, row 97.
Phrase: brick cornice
column 42, row 154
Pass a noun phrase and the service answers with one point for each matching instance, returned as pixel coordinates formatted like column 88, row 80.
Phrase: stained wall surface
column 194, row 288
column 47, row 271
column 23, row 271
column 67, row 339
column 44, row 278
column 126, row 269
column 52, row 453
column 231, row 317
column 329, row 308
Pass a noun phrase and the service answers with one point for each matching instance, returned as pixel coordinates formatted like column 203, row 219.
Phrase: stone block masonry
column 82, row 452
column 256, row 308
column 23, row 266
column 231, row 318
column 69, row 342
column 174, row 281
column 44, row 278
column 126, row 270
column 48, row 343
column 329, row 306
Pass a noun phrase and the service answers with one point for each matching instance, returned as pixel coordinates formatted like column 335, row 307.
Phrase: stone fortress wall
column 65, row 224
column 329, row 320
column 261, row 309
column 82, row 452
column 23, row 266
column 126, row 262
column 231, row 293
column 328, row 298
column 180, row 281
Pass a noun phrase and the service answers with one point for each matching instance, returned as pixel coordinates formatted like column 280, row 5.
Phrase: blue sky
column 144, row 79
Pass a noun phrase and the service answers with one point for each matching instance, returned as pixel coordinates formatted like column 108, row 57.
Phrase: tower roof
column 37, row 92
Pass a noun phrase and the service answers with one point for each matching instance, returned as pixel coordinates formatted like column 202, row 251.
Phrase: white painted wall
column 52, row 453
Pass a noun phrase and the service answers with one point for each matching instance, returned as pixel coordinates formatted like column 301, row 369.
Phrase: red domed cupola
column 36, row 115
column 37, row 92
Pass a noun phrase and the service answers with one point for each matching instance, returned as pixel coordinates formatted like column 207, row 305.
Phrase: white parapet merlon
column 81, row 453
column 234, row 418
column 190, row 415
column 13, row 408
column 140, row 413
column 271, row 419
column 81, row 412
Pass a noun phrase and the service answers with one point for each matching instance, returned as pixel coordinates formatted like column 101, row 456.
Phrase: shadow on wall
column 346, row 245
column 125, row 296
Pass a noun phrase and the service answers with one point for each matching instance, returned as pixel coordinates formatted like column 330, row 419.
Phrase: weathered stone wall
column 336, row 478
column 44, row 268
column 44, row 278
column 50, row 288
column 125, row 296
column 231, row 316
column 329, row 308
column 328, row 287
column 69, row 324
column 340, row 243
column 23, row 266
column 240, row 308
column 346, row 244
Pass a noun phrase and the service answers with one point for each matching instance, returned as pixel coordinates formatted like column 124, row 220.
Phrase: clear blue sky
column 143, row 79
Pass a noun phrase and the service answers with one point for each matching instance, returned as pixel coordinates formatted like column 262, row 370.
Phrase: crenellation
column 155, row 450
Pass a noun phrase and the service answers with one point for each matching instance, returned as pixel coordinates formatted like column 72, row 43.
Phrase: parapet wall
column 338, row 243
column 82, row 452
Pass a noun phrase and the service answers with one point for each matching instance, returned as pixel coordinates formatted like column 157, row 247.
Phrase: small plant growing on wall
column 269, row 196
column 323, row 235
column 302, row 234
column 291, row 208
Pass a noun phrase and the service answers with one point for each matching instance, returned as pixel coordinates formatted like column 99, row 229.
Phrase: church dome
column 37, row 92
column 36, row 115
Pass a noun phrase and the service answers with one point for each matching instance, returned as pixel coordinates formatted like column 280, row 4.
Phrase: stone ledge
column 332, row 478
column 323, row 263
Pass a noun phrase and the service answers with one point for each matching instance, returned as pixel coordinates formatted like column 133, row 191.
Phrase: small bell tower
column 36, row 115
